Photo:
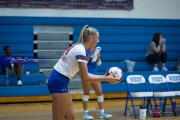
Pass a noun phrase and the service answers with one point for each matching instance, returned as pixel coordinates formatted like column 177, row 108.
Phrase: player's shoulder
column 79, row 47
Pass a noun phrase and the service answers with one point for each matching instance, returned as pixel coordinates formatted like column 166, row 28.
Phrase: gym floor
column 42, row 111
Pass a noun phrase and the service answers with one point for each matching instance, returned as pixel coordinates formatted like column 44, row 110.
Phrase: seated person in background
column 12, row 69
column 157, row 52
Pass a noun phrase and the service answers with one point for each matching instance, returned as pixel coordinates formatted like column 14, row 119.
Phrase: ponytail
column 85, row 32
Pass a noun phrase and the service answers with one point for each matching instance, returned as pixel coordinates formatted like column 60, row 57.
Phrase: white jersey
column 68, row 63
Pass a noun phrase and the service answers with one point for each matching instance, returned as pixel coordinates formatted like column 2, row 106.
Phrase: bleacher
column 130, row 41
column 20, row 38
column 120, row 39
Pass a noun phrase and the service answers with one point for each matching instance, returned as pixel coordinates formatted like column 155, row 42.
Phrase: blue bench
column 133, row 47
column 31, row 67
column 139, row 66
column 131, row 30
column 16, row 29
column 21, row 48
column 16, row 39
column 36, row 90
column 129, row 39
column 32, row 79
column 136, row 56
column 17, row 54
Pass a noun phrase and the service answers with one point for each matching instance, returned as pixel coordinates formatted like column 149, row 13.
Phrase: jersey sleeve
column 80, row 55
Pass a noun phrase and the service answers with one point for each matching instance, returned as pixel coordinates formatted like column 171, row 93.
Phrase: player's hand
column 92, row 50
column 160, row 41
column 112, row 79
column 164, row 40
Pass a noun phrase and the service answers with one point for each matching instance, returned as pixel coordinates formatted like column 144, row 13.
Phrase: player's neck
column 86, row 46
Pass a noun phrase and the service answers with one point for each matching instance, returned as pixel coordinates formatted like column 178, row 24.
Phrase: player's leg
column 59, row 105
column 100, row 98
column 70, row 109
column 58, row 87
column 86, row 91
column 18, row 71
column 98, row 91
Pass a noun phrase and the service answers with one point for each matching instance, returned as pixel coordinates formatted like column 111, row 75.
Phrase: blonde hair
column 85, row 32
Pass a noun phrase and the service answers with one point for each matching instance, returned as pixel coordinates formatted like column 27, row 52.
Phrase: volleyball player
column 72, row 61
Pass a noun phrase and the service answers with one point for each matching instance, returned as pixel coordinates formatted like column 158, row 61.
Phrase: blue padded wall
column 120, row 39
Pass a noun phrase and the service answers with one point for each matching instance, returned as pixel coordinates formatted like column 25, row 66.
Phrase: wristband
column 99, row 63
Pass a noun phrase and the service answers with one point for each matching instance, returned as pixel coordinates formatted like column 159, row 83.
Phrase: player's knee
column 85, row 97
column 100, row 98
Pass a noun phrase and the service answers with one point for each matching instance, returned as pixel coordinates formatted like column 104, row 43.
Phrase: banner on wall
column 70, row 4
column 115, row 4
column 79, row 4
column 40, row 3
column 9, row 3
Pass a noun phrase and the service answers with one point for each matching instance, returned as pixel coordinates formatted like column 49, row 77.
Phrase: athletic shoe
column 19, row 82
column 155, row 69
column 164, row 69
column 105, row 115
column 87, row 116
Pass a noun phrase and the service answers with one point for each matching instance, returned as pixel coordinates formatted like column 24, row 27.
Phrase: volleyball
column 116, row 72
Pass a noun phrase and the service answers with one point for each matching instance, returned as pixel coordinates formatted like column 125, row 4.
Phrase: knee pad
column 100, row 98
column 85, row 97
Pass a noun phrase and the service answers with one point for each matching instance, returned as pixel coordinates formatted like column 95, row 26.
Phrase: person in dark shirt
column 157, row 52
column 12, row 69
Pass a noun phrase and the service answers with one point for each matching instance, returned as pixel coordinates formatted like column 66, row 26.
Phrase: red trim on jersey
column 81, row 57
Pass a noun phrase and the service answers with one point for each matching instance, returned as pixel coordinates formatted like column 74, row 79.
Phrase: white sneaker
column 164, row 69
column 105, row 115
column 19, row 82
column 87, row 116
column 155, row 69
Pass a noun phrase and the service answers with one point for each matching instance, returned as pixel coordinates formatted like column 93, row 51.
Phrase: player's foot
column 164, row 69
column 19, row 83
column 87, row 116
column 105, row 115
column 155, row 69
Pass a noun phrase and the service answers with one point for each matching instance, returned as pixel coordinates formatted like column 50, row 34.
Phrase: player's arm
column 86, row 77
column 79, row 74
column 89, row 56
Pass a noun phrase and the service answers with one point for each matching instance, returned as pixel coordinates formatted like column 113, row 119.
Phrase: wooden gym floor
column 42, row 111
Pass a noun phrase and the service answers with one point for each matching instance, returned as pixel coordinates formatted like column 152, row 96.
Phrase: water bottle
column 7, row 79
column 98, row 49
column 27, row 72
column 161, row 103
column 143, row 110
column 127, row 111
column 155, row 113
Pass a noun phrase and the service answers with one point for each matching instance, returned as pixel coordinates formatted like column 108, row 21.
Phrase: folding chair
column 134, row 90
column 173, row 78
column 164, row 93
